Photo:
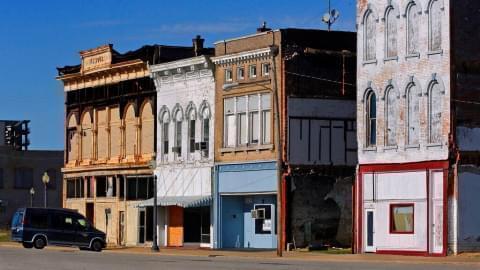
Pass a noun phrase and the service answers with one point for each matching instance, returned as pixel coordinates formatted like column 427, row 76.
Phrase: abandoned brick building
column 417, row 116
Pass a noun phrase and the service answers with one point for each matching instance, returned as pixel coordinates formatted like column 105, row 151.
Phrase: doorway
column 90, row 213
column 436, row 212
column 145, row 225
column 369, row 230
column 197, row 225
column 121, row 228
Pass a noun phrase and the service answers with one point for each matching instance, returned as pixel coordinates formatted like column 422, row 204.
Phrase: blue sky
column 37, row 36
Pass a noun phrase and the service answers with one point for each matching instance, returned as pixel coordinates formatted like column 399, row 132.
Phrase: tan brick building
column 110, row 138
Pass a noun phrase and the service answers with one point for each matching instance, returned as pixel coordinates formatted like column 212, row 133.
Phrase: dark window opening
column 139, row 188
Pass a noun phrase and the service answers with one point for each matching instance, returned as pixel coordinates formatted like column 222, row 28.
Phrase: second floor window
column 247, row 120
column 371, row 119
column 178, row 133
column 413, row 107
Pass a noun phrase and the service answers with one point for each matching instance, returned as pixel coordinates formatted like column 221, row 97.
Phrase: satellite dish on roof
column 331, row 16
column 326, row 18
column 335, row 14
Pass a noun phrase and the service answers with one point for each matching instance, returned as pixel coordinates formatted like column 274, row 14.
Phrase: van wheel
column 39, row 242
column 27, row 245
column 97, row 245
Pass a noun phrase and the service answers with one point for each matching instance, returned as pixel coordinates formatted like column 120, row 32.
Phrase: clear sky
column 37, row 36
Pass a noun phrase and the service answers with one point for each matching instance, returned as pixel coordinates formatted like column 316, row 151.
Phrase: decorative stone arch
column 370, row 9
column 146, row 102
column 162, row 113
column 369, row 87
column 429, row 5
column 388, row 87
column 85, row 111
column 412, row 81
column 434, row 79
column 410, row 4
column 391, row 5
column 72, row 116
column 177, row 109
column 191, row 111
column 369, row 35
column 127, row 106
column 205, row 112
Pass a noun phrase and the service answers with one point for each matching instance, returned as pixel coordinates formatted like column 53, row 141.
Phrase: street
column 17, row 258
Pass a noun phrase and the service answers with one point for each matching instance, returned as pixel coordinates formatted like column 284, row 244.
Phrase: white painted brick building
column 407, row 198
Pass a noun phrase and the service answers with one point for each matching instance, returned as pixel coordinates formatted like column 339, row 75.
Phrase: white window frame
column 228, row 75
column 252, row 71
column 240, row 76
column 265, row 69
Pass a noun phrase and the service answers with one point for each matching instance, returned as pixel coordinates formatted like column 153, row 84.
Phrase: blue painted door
column 232, row 221
column 260, row 231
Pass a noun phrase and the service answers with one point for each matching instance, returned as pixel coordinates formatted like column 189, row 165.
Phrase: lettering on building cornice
column 97, row 58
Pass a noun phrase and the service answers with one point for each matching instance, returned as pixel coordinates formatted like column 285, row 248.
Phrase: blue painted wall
column 244, row 178
column 232, row 222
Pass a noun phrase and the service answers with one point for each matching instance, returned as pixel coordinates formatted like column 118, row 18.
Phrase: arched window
column 413, row 125
column 130, row 130
column 435, row 113
column 192, row 118
column 435, row 26
column 369, row 36
column 147, row 131
column 391, row 33
column 371, row 119
column 87, row 136
column 391, row 116
column 178, row 119
column 72, row 135
column 205, row 117
column 164, row 119
column 412, row 28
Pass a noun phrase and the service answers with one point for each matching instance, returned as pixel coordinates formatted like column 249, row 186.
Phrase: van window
column 62, row 222
column 82, row 224
column 17, row 219
column 38, row 219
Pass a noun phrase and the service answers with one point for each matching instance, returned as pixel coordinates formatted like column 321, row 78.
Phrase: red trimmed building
column 418, row 178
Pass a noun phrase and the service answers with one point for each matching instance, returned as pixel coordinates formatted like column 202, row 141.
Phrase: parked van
column 38, row 227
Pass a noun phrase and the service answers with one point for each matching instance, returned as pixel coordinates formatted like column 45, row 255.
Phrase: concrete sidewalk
column 466, row 258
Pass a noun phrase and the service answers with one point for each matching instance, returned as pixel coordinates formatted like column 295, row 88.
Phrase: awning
column 182, row 201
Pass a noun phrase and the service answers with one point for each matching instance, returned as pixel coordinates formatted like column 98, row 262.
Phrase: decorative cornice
column 199, row 60
column 242, row 56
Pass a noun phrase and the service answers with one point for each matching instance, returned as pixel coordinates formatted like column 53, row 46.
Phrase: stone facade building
column 185, row 99
column 110, row 107
column 250, row 71
column 418, row 165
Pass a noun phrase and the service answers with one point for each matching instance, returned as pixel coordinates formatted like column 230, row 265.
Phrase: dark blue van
column 38, row 227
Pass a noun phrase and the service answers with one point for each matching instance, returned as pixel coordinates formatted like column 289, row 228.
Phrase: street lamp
column 32, row 192
column 45, row 180
column 152, row 165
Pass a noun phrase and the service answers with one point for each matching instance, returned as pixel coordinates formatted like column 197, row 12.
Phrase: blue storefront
column 245, row 205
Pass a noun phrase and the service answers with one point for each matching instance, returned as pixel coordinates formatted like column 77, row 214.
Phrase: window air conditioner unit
column 201, row 146
column 176, row 149
column 254, row 213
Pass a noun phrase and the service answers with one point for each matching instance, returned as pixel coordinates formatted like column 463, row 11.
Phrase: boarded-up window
column 72, row 136
column 115, row 133
column 371, row 118
column 102, row 135
column 369, row 36
column 412, row 29
column 229, row 129
column 391, row 116
column 435, row 25
column 130, row 134
column 413, row 126
column 147, row 130
column 435, row 114
column 23, row 177
column 391, row 25
column 87, row 139
column 402, row 218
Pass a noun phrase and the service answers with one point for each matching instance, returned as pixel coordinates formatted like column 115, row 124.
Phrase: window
column 266, row 127
column 435, row 113
column 412, row 29
column 391, row 32
column 391, row 116
column 139, row 188
column 106, row 186
column 435, row 26
column 191, row 136
column 23, row 177
column 413, row 127
column 402, row 218
column 229, row 129
column 205, row 130
column 178, row 133
column 252, row 71
column 38, row 219
column 265, row 69
column 247, row 120
column 240, row 73
column 241, row 103
column 369, row 36
column 165, row 138
column 228, row 75
column 1, row 178
column 263, row 222
column 371, row 119
column 75, row 188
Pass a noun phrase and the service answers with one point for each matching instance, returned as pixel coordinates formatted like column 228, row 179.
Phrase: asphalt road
column 25, row 259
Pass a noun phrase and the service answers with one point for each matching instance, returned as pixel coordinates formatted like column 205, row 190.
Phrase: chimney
column 264, row 28
column 198, row 45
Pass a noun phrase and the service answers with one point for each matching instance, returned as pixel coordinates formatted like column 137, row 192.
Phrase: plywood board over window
column 147, row 130
column 130, row 134
column 102, row 135
column 87, row 137
column 72, row 137
column 115, row 133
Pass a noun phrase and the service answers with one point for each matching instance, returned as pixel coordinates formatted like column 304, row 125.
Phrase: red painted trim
column 445, row 211
column 284, row 211
column 402, row 252
column 392, row 205
column 416, row 166
column 360, row 213
column 428, row 209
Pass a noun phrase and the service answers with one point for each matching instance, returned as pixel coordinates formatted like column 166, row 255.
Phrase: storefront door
column 436, row 212
column 369, row 230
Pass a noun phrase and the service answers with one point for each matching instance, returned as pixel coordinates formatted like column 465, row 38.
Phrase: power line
column 318, row 78
column 467, row 102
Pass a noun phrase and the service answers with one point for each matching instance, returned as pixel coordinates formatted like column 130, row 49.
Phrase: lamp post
column 152, row 166
column 32, row 192
column 45, row 180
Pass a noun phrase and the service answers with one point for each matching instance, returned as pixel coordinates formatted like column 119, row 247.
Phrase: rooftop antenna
column 331, row 16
